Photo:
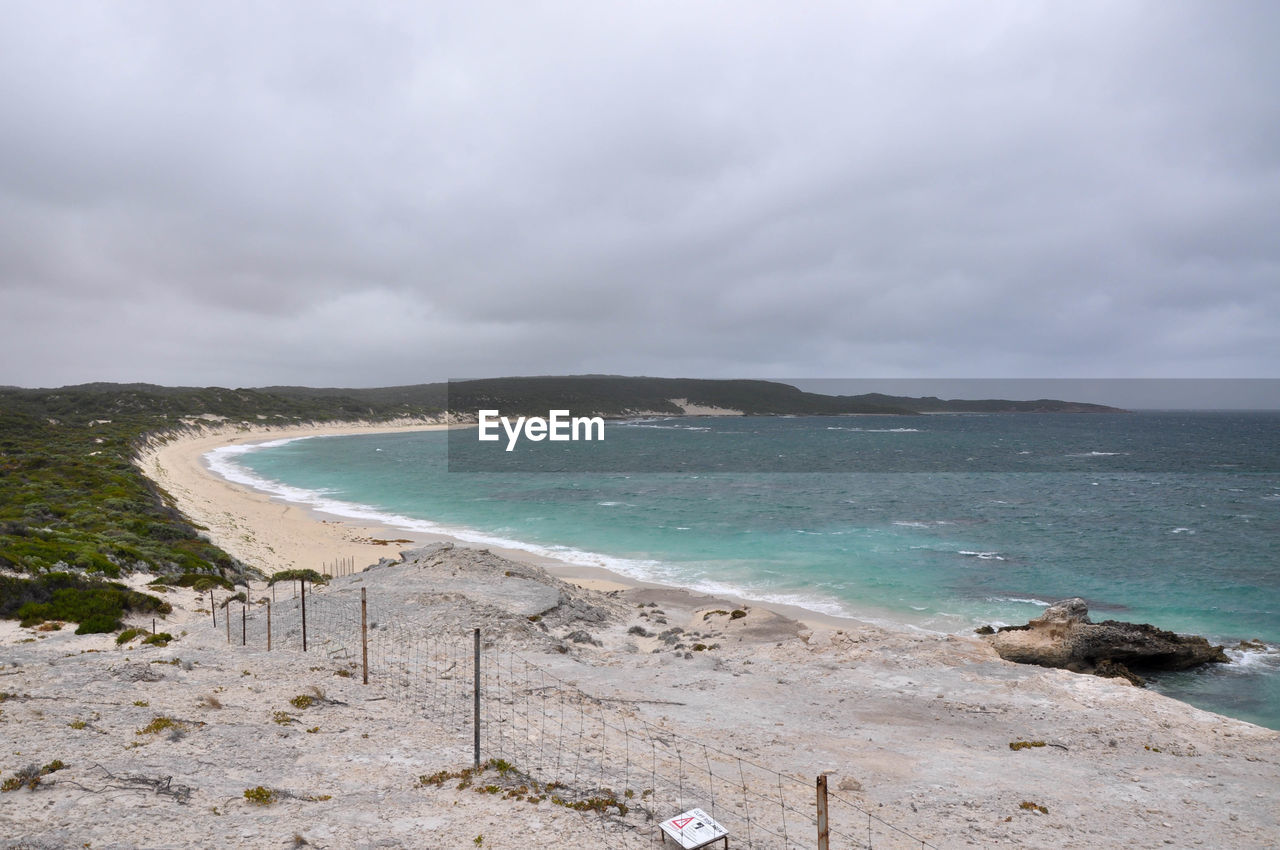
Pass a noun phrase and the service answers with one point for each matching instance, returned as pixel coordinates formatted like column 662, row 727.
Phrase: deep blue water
column 945, row 522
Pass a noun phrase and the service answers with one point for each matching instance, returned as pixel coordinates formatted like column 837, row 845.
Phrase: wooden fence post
column 268, row 627
column 824, row 833
column 364, row 635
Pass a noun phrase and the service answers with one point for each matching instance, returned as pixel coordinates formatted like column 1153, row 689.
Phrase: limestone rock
column 1064, row 636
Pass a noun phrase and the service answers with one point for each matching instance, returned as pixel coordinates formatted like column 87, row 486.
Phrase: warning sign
column 692, row 829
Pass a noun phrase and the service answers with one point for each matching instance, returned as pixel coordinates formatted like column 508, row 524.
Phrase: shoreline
column 305, row 536
column 934, row 734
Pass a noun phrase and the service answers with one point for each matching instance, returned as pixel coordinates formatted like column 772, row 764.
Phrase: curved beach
column 912, row 726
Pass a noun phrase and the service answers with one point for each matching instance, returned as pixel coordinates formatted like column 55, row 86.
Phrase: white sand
column 913, row 727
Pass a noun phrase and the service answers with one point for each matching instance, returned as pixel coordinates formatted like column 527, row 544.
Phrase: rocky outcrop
column 1064, row 636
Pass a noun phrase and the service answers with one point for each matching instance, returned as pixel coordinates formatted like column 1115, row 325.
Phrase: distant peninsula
column 597, row 395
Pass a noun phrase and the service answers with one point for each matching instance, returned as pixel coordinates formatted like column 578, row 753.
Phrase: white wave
column 1182, row 530
column 1099, row 454
column 982, row 556
column 1249, row 659
column 875, row 430
column 1024, row 600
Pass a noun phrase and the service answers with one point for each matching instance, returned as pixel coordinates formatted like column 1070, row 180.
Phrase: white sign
column 692, row 829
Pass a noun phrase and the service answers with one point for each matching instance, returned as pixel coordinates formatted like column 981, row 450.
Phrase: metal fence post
column 476, row 714
column 304, row 615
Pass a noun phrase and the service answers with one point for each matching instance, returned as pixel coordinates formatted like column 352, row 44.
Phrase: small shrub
column 158, row 639
column 31, row 776
column 737, row 614
column 260, row 796
column 283, row 718
column 1025, row 745
column 1033, row 807
column 141, row 703
column 302, row 701
column 128, row 635
column 157, row 725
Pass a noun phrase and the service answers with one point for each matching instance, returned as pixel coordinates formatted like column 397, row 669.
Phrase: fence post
column 476, row 713
column 244, row 624
column 304, row 615
column 364, row 635
column 268, row 627
column 227, row 619
column 213, row 606
column 824, row 833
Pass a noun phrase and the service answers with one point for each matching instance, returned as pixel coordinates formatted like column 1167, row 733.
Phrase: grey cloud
column 375, row 195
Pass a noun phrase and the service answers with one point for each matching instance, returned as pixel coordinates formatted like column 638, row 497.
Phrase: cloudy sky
column 368, row 194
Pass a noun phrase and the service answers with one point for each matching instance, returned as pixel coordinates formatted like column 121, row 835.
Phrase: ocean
column 941, row 522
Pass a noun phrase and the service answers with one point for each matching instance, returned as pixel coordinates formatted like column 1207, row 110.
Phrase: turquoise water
column 945, row 522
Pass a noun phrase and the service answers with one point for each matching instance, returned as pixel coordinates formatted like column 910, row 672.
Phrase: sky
column 369, row 194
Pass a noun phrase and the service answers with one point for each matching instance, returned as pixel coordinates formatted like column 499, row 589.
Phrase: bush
column 98, row 624
column 73, row 598
column 128, row 635
column 199, row 582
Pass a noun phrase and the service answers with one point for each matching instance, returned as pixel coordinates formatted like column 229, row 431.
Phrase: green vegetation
column 31, row 776
column 95, row 604
column 159, row 724
column 513, row 785
column 70, row 499
column 261, row 796
column 1025, row 745
column 128, row 635
column 198, row 582
column 297, row 575
column 158, row 639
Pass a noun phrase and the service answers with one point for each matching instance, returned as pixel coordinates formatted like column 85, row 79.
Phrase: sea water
column 941, row 522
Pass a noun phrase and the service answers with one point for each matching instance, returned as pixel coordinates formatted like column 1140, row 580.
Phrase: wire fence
column 549, row 738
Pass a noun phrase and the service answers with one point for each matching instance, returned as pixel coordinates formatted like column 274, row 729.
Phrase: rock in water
column 1064, row 636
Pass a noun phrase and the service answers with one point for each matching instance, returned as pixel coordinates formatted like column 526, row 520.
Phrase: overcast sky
column 364, row 194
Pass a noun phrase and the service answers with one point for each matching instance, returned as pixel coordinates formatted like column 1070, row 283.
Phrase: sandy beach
column 925, row 739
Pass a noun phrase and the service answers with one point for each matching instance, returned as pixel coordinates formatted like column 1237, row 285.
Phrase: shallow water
column 945, row 522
